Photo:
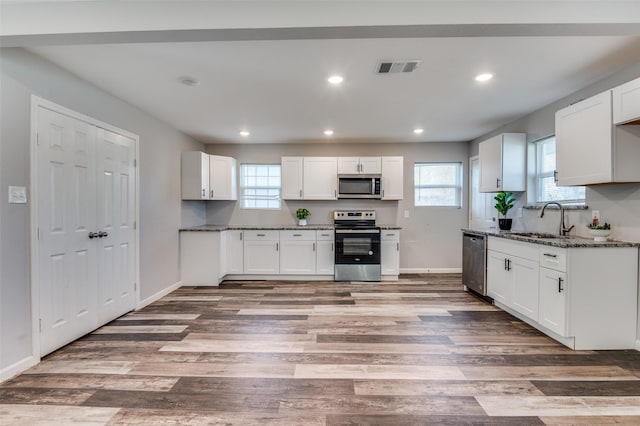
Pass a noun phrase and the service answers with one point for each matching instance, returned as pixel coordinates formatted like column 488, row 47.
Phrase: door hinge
column 40, row 325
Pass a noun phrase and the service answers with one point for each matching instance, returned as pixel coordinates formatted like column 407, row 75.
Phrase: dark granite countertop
column 569, row 241
column 219, row 228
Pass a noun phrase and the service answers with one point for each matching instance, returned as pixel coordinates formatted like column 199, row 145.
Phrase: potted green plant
column 504, row 203
column 302, row 215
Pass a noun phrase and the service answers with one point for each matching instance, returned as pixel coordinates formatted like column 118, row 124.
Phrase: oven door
column 357, row 246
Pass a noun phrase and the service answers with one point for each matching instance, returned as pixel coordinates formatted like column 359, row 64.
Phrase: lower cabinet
column 325, row 254
column 298, row 252
column 261, row 252
column 234, row 251
column 390, row 253
column 200, row 258
column 584, row 297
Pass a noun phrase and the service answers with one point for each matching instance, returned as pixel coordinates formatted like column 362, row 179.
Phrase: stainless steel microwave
column 359, row 186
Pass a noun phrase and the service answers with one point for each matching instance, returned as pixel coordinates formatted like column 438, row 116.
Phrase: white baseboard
column 17, row 368
column 149, row 300
column 637, row 345
column 430, row 270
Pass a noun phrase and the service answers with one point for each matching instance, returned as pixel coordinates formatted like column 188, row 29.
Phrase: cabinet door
column 490, row 153
column 392, row 179
column 626, row 102
column 194, row 179
column 298, row 257
column 390, row 253
column 348, row 165
column 234, row 252
column 584, row 142
column 292, row 178
column 370, row 165
column 498, row 278
column 524, row 276
column 222, row 178
column 320, row 178
column 325, row 257
column 261, row 257
column 553, row 301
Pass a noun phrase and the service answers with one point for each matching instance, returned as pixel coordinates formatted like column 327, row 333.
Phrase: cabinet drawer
column 514, row 248
column 387, row 234
column 253, row 235
column 297, row 235
column 553, row 258
column 327, row 235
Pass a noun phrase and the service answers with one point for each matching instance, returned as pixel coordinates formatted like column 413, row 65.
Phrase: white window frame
column 540, row 176
column 244, row 199
column 458, row 185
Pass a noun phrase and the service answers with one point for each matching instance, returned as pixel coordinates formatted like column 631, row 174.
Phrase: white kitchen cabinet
column 325, row 255
column 291, row 172
column 234, row 243
column 200, row 258
column 320, row 178
column 626, row 103
column 553, row 301
column 498, row 280
column 392, row 178
column 298, row 252
column 590, row 149
column 359, row 165
column 525, row 286
column 261, row 252
column 503, row 163
column 222, row 178
column 390, row 253
column 194, row 179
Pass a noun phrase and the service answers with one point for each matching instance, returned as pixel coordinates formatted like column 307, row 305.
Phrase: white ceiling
column 274, row 83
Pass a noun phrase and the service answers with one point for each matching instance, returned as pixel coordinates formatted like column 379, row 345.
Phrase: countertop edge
column 569, row 242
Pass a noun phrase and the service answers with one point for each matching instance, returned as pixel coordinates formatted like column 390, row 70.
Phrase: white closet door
column 67, row 257
column 115, row 191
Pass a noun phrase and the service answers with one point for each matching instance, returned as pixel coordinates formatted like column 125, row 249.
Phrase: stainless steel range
column 357, row 245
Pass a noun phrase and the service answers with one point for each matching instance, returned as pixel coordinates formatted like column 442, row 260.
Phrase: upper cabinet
column 590, row 149
column 626, row 103
column 392, row 178
column 503, row 163
column 320, row 178
column 292, row 178
column 195, row 176
column 208, row 177
column 359, row 165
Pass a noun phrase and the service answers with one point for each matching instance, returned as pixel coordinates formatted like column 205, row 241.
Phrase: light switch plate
column 17, row 195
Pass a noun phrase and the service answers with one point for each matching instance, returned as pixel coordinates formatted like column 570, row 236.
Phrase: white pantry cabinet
column 194, row 175
column 222, row 178
column 590, row 149
column 392, row 179
column 390, row 253
column 626, row 103
column 359, row 165
column 325, row 255
column 291, row 172
column 261, row 252
column 320, row 178
column 503, row 163
column 298, row 252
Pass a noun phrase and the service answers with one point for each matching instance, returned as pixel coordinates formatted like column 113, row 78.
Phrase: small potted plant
column 599, row 232
column 504, row 203
column 302, row 215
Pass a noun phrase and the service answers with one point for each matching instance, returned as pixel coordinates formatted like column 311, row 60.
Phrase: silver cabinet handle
column 560, row 288
column 383, row 193
column 550, row 255
column 212, row 193
column 240, row 235
column 204, row 192
column 297, row 235
column 301, row 193
column 260, row 235
column 497, row 182
column 331, row 246
column 277, row 246
column 324, row 235
column 335, row 193
column 398, row 246
column 314, row 246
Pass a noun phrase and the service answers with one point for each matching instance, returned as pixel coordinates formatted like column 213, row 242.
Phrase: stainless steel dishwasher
column 474, row 262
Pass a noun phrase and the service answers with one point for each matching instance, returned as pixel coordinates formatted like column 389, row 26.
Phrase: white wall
column 430, row 237
column 161, row 212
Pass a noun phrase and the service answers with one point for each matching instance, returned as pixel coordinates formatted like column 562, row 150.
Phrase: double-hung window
column 260, row 186
column 546, row 177
column 437, row 184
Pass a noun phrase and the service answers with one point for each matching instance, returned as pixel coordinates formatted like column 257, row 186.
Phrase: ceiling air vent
column 392, row 67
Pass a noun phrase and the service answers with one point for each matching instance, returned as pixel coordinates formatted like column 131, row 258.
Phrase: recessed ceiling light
column 484, row 77
column 328, row 132
column 244, row 133
column 189, row 81
column 335, row 79
column 418, row 131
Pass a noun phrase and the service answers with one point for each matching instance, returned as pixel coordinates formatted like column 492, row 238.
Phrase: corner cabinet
column 207, row 177
column 392, row 179
column 566, row 292
column 590, row 149
column 390, row 254
column 503, row 163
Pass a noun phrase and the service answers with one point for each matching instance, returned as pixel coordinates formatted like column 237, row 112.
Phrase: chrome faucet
column 561, row 229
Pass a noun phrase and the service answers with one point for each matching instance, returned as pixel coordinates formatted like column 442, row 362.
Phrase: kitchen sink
column 537, row 235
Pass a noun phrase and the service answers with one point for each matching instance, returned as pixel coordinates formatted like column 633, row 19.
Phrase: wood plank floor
column 416, row 351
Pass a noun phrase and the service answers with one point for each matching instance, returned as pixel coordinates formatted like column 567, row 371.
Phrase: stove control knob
column 370, row 253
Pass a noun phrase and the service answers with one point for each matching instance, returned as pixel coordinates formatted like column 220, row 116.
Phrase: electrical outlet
column 406, row 213
column 519, row 212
